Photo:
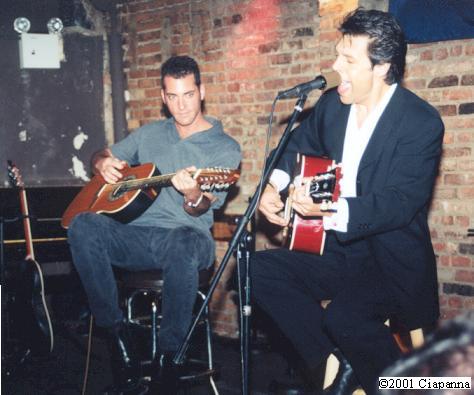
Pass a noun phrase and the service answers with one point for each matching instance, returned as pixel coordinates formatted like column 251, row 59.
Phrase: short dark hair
column 179, row 67
column 387, row 43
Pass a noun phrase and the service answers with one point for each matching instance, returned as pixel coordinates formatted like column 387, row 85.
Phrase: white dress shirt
column 355, row 143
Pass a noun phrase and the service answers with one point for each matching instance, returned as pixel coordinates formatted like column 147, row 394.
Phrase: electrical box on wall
column 39, row 51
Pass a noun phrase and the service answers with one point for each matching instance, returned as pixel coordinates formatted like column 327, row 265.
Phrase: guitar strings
column 128, row 185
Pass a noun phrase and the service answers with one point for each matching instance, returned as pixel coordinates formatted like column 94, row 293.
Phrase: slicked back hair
column 387, row 43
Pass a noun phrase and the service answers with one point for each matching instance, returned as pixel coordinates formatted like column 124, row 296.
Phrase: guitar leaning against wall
column 30, row 315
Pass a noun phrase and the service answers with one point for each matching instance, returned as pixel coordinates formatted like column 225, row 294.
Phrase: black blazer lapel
column 335, row 132
column 389, row 119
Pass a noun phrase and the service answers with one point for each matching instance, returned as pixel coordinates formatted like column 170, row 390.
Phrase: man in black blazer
column 378, row 261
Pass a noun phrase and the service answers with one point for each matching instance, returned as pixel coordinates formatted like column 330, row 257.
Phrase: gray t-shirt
column 160, row 143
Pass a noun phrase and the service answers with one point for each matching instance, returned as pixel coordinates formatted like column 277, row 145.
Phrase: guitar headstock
column 14, row 175
column 325, row 186
column 218, row 178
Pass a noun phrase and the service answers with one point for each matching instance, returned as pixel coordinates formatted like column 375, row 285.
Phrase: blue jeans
column 98, row 242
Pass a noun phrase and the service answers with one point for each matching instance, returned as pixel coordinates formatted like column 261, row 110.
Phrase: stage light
column 55, row 26
column 21, row 25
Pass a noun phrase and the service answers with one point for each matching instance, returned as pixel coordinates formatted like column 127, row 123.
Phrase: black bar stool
column 142, row 293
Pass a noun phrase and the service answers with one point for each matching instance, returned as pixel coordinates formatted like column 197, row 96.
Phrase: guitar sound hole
column 120, row 189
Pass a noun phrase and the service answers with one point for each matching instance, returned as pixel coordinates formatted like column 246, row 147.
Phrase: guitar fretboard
column 142, row 183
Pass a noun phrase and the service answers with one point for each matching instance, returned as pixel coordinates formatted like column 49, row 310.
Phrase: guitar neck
column 215, row 176
column 141, row 183
column 30, row 254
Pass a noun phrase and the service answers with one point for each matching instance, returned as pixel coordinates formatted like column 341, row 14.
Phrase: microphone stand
column 244, row 249
column 234, row 242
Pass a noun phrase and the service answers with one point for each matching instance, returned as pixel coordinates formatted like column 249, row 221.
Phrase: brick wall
column 443, row 74
column 249, row 50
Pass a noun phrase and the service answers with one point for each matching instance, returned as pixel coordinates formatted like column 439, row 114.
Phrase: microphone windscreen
column 332, row 79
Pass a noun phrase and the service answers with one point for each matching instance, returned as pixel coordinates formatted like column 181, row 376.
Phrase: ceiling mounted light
column 21, row 25
column 55, row 26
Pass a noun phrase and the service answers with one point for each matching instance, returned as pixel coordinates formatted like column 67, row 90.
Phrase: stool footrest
column 198, row 369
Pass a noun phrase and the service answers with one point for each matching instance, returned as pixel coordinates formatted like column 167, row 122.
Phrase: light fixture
column 55, row 26
column 39, row 50
column 21, row 25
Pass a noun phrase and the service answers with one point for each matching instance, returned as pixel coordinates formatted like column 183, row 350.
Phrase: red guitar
column 129, row 198
column 307, row 233
column 29, row 310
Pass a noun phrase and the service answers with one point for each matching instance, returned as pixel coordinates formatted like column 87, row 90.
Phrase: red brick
column 447, row 220
column 467, row 165
column 330, row 8
column 148, row 83
column 456, row 50
column 459, row 179
column 153, row 73
column 462, row 221
column 455, row 302
column 461, row 261
column 280, row 59
column 440, row 82
column 470, row 50
column 456, row 152
column 441, row 53
column 459, row 123
column 415, row 83
column 149, row 48
column 274, row 84
column 418, row 70
column 427, row 55
column 467, row 79
column 136, row 74
column 447, row 110
column 153, row 93
column 445, row 260
column 464, row 137
column 466, row 193
column 458, row 94
column 464, row 276
column 329, row 36
column 234, row 87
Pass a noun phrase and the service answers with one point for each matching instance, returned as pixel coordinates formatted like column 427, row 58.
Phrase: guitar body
column 29, row 314
column 307, row 234
column 102, row 198
column 29, row 311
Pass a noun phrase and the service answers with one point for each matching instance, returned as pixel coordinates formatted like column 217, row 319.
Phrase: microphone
column 320, row 82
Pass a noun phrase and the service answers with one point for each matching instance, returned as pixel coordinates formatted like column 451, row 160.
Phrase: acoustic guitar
column 307, row 233
column 129, row 198
column 30, row 314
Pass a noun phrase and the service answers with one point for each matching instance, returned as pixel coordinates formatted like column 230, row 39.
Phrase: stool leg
column 208, row 339
column 209, row 344
column 129, row 302
column 154, row 329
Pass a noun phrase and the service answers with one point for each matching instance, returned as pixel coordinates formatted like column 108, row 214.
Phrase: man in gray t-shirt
column 172, row 234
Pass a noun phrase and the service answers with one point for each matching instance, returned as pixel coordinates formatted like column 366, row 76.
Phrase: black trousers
column 289, row 286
